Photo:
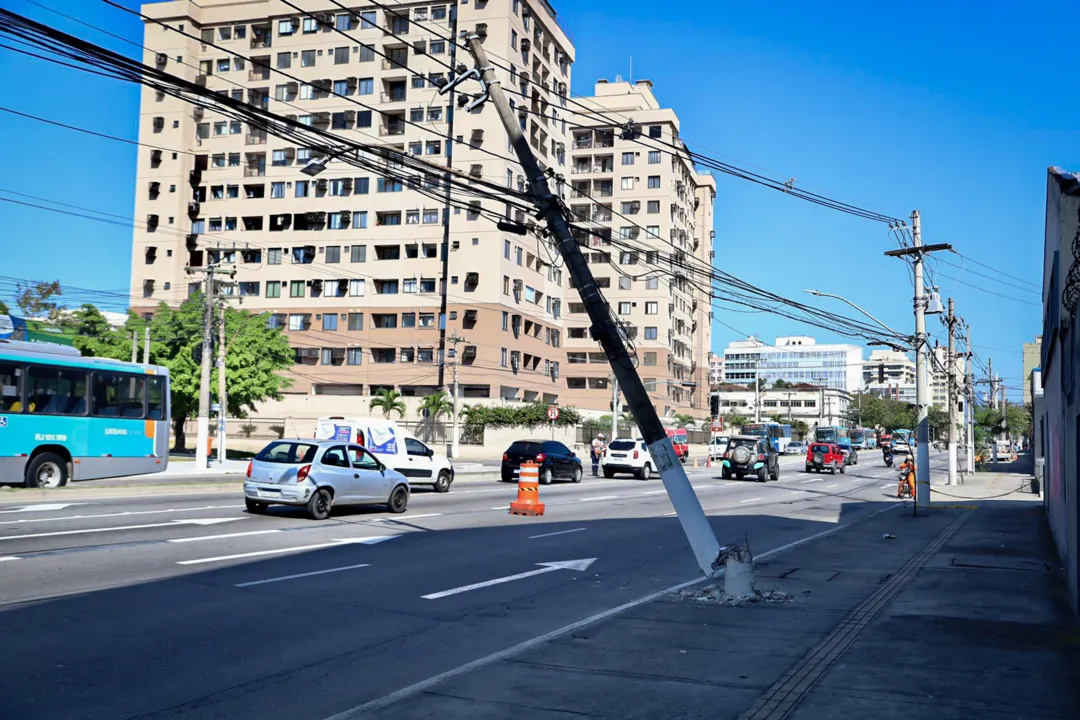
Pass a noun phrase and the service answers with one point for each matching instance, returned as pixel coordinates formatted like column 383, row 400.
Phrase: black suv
column 555, row 460
column 750, row 455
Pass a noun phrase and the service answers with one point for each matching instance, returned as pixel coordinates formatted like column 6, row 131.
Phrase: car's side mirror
column 573, row 454
column 430, row 452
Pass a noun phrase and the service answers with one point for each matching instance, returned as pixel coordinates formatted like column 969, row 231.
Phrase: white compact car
column 394, row 446
column 624, row 455
column 718, row 447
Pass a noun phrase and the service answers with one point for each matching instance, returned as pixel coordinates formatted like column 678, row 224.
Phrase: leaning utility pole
column 970, row 449
column 950, row 367
column 202, row 435
column 146, row 346
column 454, row 339
column 445, row 246
column 614, row 407
column 223, row 397
column 757, row 391
column 687, row 507
column 922, row 378
column 134, row 346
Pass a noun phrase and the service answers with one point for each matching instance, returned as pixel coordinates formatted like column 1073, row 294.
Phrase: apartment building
column 890, row 374
column 716, row 370
column 1032, row 358
column 353, row 265
column 939, row 377
column 642, row 213
column 797, row 359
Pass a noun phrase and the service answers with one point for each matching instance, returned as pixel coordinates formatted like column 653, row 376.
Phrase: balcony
column 580, row 169
column 255, row 170
column 392, row 129
column 261, row 39
column 393, row 96
column 583, row 142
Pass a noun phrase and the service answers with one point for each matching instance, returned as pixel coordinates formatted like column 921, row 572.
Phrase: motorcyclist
column 887, row 456
column 907, row 477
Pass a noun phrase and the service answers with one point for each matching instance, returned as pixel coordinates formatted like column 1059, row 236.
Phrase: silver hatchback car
column 319, row 475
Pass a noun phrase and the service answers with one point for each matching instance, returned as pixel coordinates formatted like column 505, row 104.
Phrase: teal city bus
column 68, row 417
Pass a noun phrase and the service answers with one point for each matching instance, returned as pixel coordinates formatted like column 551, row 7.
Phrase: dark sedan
column 556, row 461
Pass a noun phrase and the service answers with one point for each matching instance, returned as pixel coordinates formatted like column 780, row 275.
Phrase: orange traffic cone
column 528, row 499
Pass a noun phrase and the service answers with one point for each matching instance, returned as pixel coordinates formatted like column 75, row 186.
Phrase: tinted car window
column 287, row 453
column 524, row 447
column 335, row 457
column 556, row 448
column 362, row 459
column 819, row 448
column 741, row 442
column 415, row 447
column 621, row 445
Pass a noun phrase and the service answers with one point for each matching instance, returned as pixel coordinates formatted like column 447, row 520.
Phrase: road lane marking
column 299, row 575
column 830, row 487
column 120, row 514
column 406, row 517
column 812, row 480
column 47, row 507
column 420, row 686
column 9, row 557
column 171, row 523
column 201, row 538
column 750, row 500
column 280, row 551
column 561, row 532
column 654, row 492
column 579, row 565
column 591, row 499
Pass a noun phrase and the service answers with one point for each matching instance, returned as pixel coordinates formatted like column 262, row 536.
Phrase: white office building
column 796, row 359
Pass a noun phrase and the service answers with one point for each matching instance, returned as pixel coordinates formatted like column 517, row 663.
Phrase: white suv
column 624, row 455
column 718, row 447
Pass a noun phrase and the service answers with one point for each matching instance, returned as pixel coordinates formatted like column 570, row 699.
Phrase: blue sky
column 954, row 109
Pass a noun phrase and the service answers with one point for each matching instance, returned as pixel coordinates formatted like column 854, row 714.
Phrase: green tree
column 436, row 404
column 734, row 422
column 761, row 384
column 781, row 384
column 94, row 337
column 777, row 417
column 4, row 308
column 800, row 428
column 389, row 401
column 683, row 419
column 40, row 299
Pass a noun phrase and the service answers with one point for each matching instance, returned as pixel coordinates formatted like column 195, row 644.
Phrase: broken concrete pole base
column 738, row 570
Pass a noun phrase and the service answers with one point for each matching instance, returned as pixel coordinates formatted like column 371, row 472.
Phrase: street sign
column 215, row 407
column 718, row 425
column 553, row 413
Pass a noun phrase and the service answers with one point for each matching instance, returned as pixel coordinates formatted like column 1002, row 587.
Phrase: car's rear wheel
column 399, row 500
column 775, row 475
column 254, row 507
column 843, row 469
column 546, row 477
column 442, row 483
column 609, row 473
column 47, row 470
column 762, row 475
column 318, row 507
column 725, row 473
column 808, row 468
column 507, row 477
column 646, row 472
column 832, row 470
column 577, row 475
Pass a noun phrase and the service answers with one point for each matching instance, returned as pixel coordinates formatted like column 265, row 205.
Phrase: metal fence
column 589, row 430
column 273, row 428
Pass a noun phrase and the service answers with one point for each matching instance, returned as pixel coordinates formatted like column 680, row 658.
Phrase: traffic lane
column 253, row 651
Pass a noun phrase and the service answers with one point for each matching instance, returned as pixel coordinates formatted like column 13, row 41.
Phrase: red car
column 680, row 442
column 823, row 456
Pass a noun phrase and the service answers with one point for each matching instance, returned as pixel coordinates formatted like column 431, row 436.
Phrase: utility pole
column 614, row 407
column 922, row 376
column 223, row 397
column 134, row 346
column 146, row 346
column 686, row 504
column 970, row 450
column 454, row 340
column 950, row 366
column 445, row 248
column 993, row 386
column 757, row 391
column 203, row 420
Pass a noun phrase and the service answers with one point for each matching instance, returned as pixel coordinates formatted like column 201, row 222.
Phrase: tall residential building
column 716, row 370
column 939, row 377
column 617, row 185
column 795, row 359
column 1032, row 360
column 354, row 266
column 890, row 374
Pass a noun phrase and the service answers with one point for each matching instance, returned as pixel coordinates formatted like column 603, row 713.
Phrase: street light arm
column 818, row 293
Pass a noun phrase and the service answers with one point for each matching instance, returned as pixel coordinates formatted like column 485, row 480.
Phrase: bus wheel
column 47, row 470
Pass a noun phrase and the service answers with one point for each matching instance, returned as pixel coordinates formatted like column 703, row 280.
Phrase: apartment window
column 654, row 182
column 427, row 320
column 339, row 186
column 311, row 25
column 367, row 19
column 329, row 321
column 628, row 158
column 655, row 131
column 412, row 217
column 427, row 285
column 298, row 321
column 231, row 191
column 367, row 52
column 354, row 356
column 652, row 307
column 333, row 254
column 296, row 288
column 356, row 321
column 506, row 285
column 386, row 287
column 356, row 288
column 650, row 332
column 388, row 218
column 341, row 55
column 408, row 320
column 624, row 308
column 284, row 60
column 431, row 216
column 625, row 283
column 653, row 230
column 407, row 355
column 359, row 220
column 361, row 185
column 652, row 283
column 653, row 207
column 220, row 127
column 382, row 355
column 650, row 359
column 234, row 159
column 285, row 27
column 434, row 113
column 273, row 256
column 425, row 355
column 433, row 147
column 417, row 82
column 307, row 91
column 502, row 360
column 307, row 58
column 363, row 118
column 627, row 183
column 215, row 224
column 384, row 321
column 279, row 159
column 506, row 249
column 277, row 190
column 518, row 255
column 505, row 320
column 437, row 47
column 273, row 289
column 628, row 258
column 438, row 13
column 235, row 127
column 223, row 65
column 386, row 185
column 654, row 157
column 301, row 188
column 365, row 86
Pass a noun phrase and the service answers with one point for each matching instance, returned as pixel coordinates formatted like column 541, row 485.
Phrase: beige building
column 939, row 377
column 644, row 209
column 354, row 266
column 1032, row 361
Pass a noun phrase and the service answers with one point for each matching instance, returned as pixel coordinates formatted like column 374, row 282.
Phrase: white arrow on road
column 47, row 507
column 579, row 565
column 171, row 523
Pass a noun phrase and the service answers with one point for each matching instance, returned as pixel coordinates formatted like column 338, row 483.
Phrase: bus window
column 119, row 396
column 155, row 398
column 10, row 388
column 55, row 391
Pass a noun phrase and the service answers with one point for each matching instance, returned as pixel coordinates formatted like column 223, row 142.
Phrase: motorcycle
column 905, row 487
column 888, row 457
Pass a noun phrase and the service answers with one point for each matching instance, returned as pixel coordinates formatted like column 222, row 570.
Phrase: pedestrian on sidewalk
column 596, row 452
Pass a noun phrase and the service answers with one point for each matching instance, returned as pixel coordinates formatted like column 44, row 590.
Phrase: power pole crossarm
column 687, row 507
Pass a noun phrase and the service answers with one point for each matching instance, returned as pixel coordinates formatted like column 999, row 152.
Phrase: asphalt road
column 186, row 606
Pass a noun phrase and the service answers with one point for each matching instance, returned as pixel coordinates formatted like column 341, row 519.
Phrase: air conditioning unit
column 198, row 112
column 162, row 58
column 526, row 45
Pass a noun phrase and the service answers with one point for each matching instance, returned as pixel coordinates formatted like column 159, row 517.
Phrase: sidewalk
column 962, row 615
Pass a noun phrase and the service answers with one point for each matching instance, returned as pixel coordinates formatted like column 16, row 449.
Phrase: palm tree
column 434, row 405
column 734, row 421
column 389, row 401
column 684, row 419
